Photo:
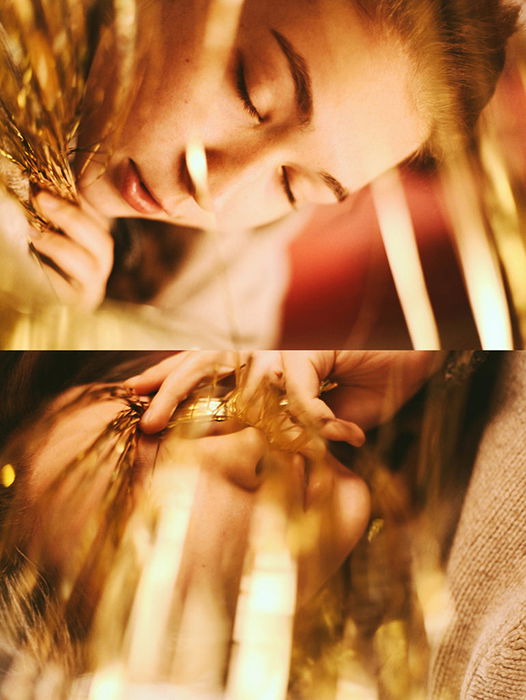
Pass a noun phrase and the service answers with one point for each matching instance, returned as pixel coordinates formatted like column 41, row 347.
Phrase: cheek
column 176, row 84
column 165, row 72
column 216, row 539
column 341, row 521
column 352, row 509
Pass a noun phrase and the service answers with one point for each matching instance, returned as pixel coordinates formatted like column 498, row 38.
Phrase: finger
column 205, row 363
column 152, row 378
column 65, row 293
column 79, row 226
column 70, row 291
column 73, row 260
column 304, row 372
column 341, row 430
column 264, row 366
column 179, row 383
column 172, row 391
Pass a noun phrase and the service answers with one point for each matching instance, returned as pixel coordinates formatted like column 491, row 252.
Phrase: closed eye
column 285, row 181
column 242, row 89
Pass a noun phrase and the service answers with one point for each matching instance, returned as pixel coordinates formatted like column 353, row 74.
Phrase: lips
column 135, row 192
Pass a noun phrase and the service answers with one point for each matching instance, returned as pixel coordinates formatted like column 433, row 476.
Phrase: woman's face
column 310, row 106
column 226, row 496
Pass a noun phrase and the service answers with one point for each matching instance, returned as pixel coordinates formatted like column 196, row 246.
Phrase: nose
column 244, row 163
column 237, row 457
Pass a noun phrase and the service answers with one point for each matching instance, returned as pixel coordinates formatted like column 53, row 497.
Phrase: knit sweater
column 483, row 653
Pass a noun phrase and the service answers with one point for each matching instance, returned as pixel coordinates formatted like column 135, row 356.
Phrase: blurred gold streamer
column 259, row 666
column 477, row 256
column 398, row 235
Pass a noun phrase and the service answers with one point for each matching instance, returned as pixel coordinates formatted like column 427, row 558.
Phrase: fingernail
column 148, row 415
column 148, row 422
column 48, row 201
column 356, row 435
column 341, row 430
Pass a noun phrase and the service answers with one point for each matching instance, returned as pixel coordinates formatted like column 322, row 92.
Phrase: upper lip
column 184, row 183
column 143, row 183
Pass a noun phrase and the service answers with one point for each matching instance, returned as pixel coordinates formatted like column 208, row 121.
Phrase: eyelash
column 241, row 85
column 286, row 186
column 242, row 90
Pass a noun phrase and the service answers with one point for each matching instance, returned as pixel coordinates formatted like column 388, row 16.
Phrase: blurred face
column 309, row 106
column 232, row 469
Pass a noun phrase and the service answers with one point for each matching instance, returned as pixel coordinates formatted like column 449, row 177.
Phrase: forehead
column 367, row 89
column 366, row 113
column 67, row 429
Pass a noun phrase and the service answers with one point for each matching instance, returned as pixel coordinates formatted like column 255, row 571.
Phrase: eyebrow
column 340, row 192
column 305, row 103
column 300, row 75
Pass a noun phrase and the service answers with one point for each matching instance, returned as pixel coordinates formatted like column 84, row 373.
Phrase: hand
column 371, row 385
column 175, row 377
column 78, row 261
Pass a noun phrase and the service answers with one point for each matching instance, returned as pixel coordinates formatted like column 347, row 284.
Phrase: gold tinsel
column 45, row 50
